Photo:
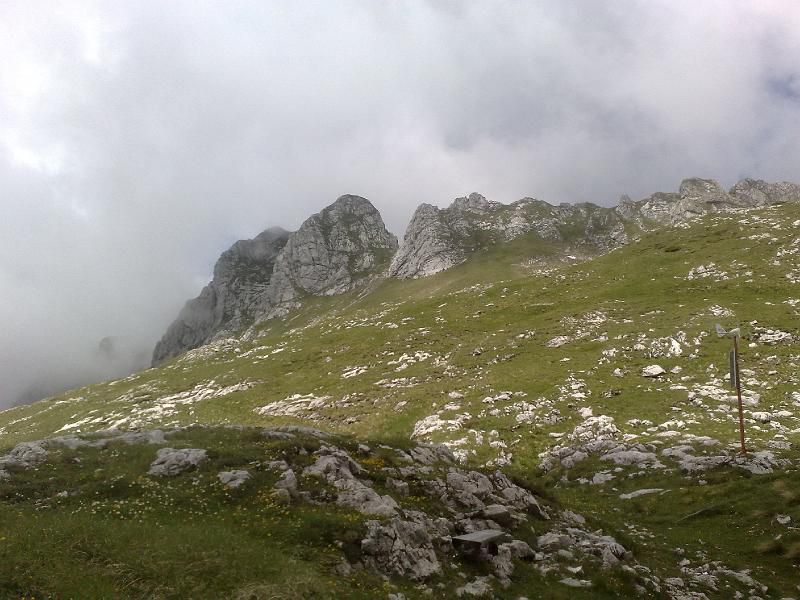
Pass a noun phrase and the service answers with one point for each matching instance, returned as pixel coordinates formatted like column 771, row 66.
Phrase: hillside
column 522, row 358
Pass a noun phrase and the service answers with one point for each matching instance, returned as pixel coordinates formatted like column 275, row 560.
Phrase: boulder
column 233, row 479
column 653, row 371
column 400, row 547
column 25, row 455
column 170, row 461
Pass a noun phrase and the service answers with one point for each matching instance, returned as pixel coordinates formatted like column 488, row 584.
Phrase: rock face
column 438, row 239
column 332, row 252
column 697, row 197
column 346, row 245
column 241, row 278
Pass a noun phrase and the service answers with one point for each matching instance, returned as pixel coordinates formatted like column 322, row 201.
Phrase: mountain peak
column 334, row 250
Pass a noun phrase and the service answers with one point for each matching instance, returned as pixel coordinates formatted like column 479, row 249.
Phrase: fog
column 138, row 140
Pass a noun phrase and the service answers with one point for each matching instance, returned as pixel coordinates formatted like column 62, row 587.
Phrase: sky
column 138, row 140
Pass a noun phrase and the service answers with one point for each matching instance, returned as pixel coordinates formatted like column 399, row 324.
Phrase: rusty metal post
column 739, row 390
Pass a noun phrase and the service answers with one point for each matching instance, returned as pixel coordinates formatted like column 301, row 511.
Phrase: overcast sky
column 139, row 139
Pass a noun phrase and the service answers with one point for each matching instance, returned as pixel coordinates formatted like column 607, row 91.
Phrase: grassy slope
column 487, row 303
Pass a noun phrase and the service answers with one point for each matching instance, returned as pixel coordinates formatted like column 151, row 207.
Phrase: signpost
column 736, row 382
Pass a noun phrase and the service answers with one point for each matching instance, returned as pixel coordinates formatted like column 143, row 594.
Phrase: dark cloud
column 138, row 140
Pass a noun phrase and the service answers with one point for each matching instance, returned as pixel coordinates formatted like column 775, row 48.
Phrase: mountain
column 697, row 197
column 347, row 244
column 578, row 410
column 332, row 252
column 437, row 239
column 231, row 300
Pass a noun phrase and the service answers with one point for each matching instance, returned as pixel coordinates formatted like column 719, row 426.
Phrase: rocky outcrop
column 171, row 461
column 697, row 197
column 333, row 251
column 437, row 239
column 241, row 278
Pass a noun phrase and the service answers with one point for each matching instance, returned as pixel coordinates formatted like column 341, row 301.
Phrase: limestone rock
column 653, row 371
column 170, row 461
column 333, row 251
column 337, row 468
column 438, row 239
column 503, row 561
column 400, row 547
column 755, row 192
column 697, row 197
column 229, row 302
column 342, row 247
column 25, row 455
column 233, row 479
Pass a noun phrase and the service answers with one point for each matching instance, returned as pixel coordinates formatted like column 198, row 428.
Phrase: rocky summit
column 521, row 401
column 438, row 239
column 332, row 252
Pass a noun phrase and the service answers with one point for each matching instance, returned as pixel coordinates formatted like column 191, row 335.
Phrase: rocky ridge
column 347, row 243
column 438, row 239
column 332, row 252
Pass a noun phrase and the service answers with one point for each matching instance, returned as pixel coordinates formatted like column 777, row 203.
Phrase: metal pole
column 739, row 390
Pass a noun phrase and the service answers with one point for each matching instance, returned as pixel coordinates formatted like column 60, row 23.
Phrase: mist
column 139, row 140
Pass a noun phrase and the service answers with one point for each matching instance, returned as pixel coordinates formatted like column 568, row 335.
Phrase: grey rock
column 282, row 430
column 471, row 482
column 288, row 482
column 498, row 513
column 653, row 371
column 344, row 246
column 337, row 468
column 170, row 461
column 643, row 492
column 25, row 455
column 340, row 248
column 631, row 457
column 398, row 486
column 438, row 239
column 400, row 547
column 277, row 435
column 353, row 493
column 553, row 541
column 503, row 561
column 233, row 479
column 755, row 192
column 230, row 301
column 429, row 454
column 510, row 494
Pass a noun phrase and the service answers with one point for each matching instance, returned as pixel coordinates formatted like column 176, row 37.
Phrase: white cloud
column 140, row 139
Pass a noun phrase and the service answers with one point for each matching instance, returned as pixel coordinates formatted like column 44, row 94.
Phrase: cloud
column 138, row 140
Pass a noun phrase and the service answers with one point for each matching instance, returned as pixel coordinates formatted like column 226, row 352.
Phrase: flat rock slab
column 638, row 493
column 485, row 538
